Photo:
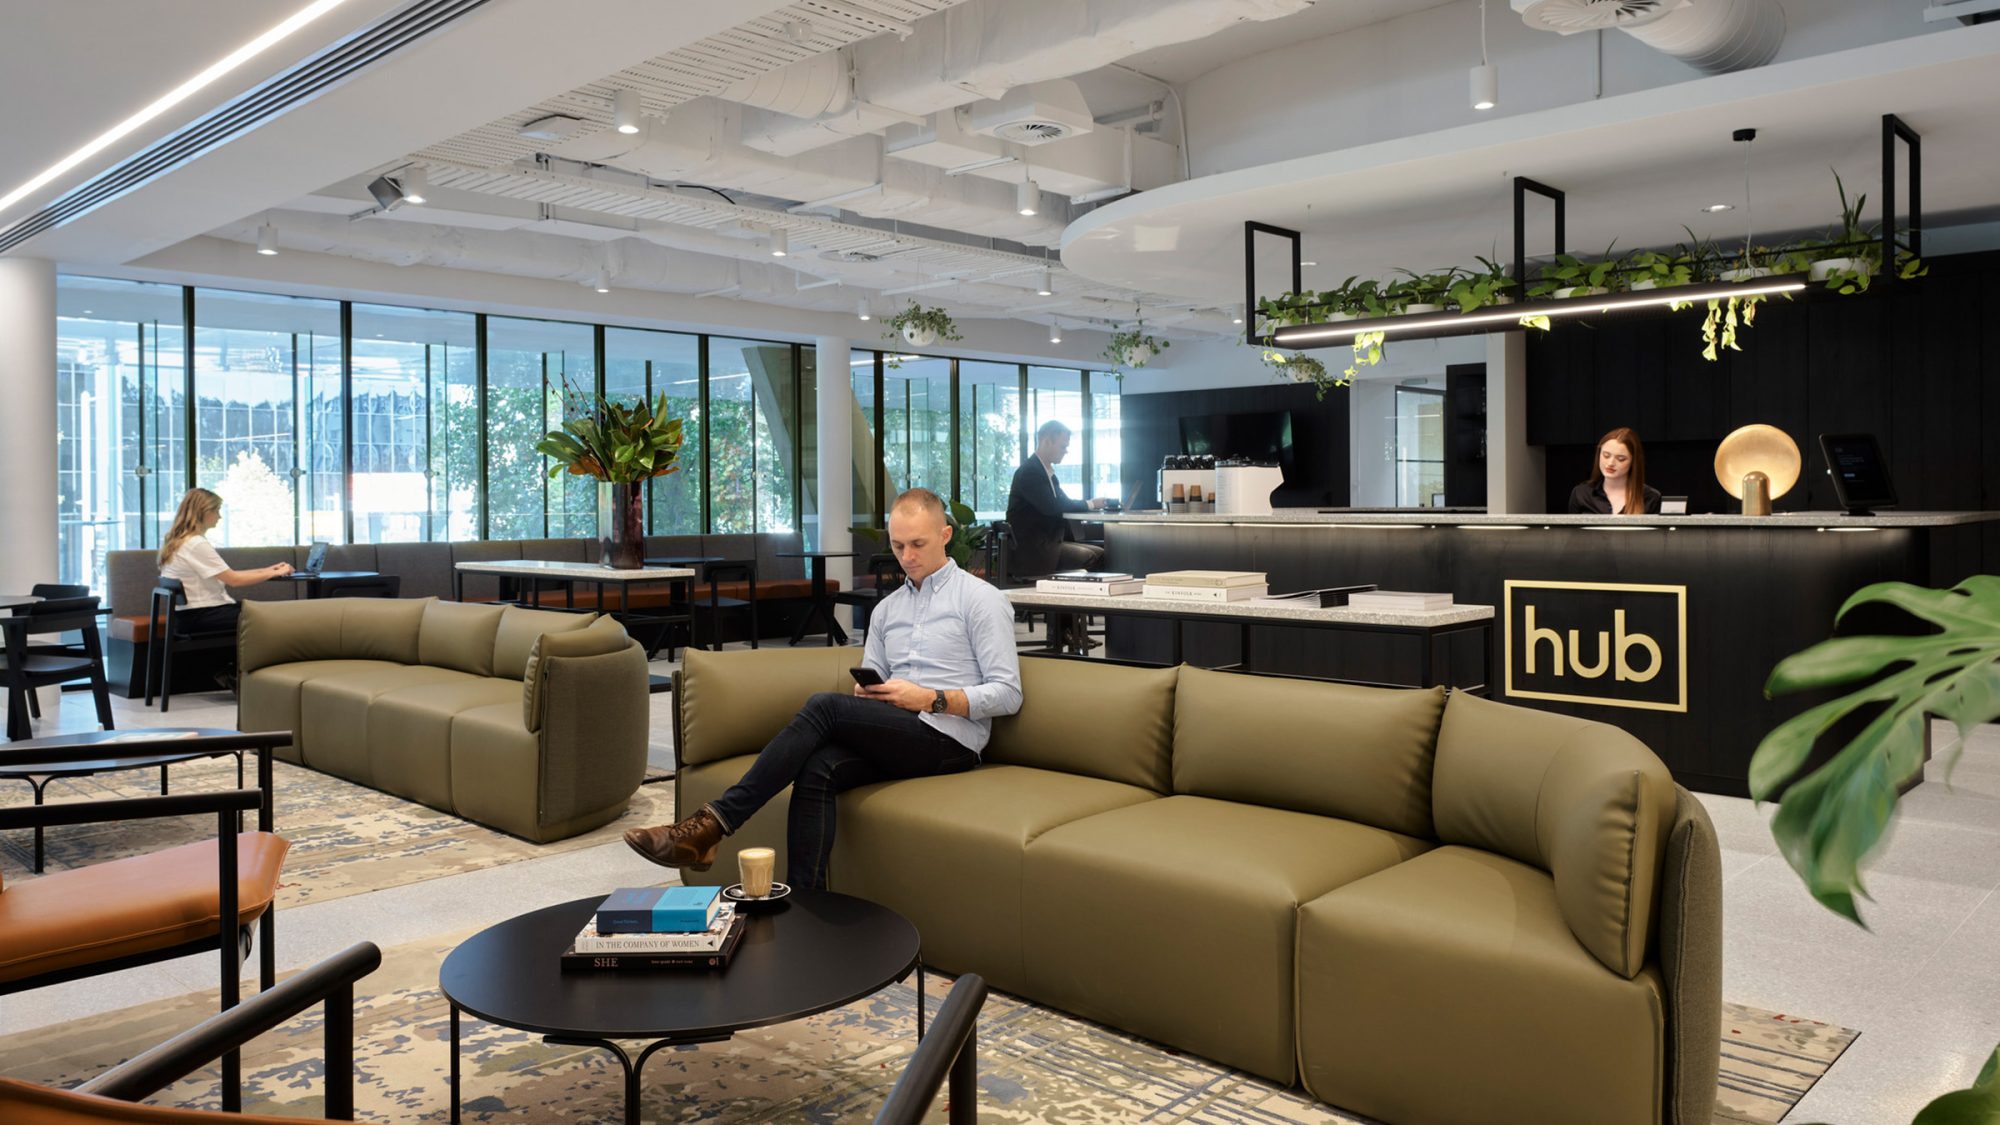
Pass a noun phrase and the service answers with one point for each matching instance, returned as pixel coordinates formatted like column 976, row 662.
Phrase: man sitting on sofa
column 944, row 645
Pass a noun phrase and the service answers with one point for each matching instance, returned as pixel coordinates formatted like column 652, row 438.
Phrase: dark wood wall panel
column 1149, row 429
column 1908, row 362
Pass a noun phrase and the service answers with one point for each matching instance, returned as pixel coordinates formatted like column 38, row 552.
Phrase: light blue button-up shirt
column 955, row 632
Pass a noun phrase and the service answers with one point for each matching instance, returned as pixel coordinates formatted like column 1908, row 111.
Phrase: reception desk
column 1664, row 625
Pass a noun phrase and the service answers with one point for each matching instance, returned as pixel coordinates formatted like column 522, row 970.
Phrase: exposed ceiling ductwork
column 1715, row 36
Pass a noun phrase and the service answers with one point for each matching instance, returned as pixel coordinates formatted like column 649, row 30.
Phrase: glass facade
column 1104, row 451
column 368, row 423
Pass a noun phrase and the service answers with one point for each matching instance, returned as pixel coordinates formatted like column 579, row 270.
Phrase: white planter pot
column 1579, row 291
column 1642, row 286
column 1745, row 274
column 1825, row 266
column 1137, row 355
column 918, row 336
column 1331, row 317
column 1421, row 308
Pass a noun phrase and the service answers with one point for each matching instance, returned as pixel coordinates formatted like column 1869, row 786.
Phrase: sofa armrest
column 1690, row 947
column 595, row 719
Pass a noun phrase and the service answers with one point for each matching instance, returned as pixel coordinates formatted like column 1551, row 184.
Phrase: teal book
column 658, row 910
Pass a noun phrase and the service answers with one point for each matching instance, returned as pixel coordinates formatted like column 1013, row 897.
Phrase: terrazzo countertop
column 587, row 572
column 1334, row 517
column 1185, row 607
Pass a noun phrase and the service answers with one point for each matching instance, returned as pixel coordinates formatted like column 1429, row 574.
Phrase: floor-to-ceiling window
column 121, row 447
column 752, row 433
column 1055, row 394
column 991, row 434
column 867, row 452
column 538, row 372
column 916, row 426
column 1107, row 452
column 268, row 424
column 650, row 364
column 416, row 460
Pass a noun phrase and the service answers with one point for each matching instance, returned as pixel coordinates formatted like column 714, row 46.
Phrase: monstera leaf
column 1830, row 819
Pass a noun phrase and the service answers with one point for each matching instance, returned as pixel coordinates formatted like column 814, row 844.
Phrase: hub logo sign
column 1607, row 643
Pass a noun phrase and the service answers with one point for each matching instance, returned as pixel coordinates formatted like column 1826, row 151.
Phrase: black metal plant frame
column 1893, row 241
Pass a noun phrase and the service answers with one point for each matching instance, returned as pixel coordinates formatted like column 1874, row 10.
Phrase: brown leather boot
column 689, row 843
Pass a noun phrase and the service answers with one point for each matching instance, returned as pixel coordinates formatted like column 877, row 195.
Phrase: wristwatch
column 937, row 705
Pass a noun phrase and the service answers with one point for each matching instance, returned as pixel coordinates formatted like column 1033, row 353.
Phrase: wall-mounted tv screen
column 1264, row 436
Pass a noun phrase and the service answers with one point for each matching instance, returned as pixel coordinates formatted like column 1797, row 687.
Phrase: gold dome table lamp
column 1757, row 464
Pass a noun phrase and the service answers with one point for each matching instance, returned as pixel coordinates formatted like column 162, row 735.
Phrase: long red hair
column 1635, row 477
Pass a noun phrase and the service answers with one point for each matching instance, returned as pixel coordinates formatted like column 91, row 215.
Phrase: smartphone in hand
column 865, row 676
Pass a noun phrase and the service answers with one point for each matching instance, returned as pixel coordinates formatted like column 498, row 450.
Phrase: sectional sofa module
column 1428, row 910
column 530, row 721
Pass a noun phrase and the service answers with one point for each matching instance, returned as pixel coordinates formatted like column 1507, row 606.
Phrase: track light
column 781, row 244
column 1027, row 197
column 1485, row 76
column 861, row 309
column 1055, row 332
column 267, row 239
column 625, row 111
column 415, row 185
column 1048, row 286
column 388, row 193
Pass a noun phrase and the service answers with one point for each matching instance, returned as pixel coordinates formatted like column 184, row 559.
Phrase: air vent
column 1033, row 132
column 1568, row 17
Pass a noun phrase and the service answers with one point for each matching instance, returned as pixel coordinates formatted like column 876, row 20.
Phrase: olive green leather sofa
column 1428, row 910
column 530, row 721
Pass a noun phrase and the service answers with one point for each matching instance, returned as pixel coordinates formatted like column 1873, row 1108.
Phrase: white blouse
column 196, row 564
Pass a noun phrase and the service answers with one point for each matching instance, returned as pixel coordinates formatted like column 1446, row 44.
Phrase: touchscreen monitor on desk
column 1860, row 475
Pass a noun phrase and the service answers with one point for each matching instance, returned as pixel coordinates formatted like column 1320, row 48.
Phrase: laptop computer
column 315, row 558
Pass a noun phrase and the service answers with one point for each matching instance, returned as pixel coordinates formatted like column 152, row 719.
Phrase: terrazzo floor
column 1923, row 986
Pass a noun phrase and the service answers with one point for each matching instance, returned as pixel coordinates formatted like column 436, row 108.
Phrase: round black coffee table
column 815, row 951
column 135, row 749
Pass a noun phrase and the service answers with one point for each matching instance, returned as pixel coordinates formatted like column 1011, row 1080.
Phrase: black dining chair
column 362, row 586
column 714, row 604
column 167, row 634
column 30, row 666
column 46, row 591
column 885, row 576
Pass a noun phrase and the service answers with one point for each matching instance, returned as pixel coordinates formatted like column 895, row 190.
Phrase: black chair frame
column 949, row 1053
column 53, row 590
column 228, row 806
column 885, row 576
column 163, row 637
column 31, row 666
column 714, row 574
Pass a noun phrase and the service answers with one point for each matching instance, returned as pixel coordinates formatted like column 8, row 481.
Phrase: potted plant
column 1476, row 289
column 1303, row 369
column 921, row 327
column 1134, row 348
column 1421, row 292
column 1570, row 276
column 968, row 537
column 623, row 446
column 1659, row 269
column 1852, row 247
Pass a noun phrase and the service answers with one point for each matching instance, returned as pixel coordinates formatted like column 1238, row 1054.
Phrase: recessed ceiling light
column 1309, row 263
column 174, row 97
column 1713, row 208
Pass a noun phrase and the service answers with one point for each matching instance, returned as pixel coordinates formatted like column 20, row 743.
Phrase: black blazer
column 1588, row 497
column 1035, row 507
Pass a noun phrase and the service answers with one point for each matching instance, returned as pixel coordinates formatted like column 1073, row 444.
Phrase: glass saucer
column 734, row 893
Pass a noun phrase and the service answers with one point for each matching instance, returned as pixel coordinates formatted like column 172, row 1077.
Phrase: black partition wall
column 1150, row 429
column 1915, row 363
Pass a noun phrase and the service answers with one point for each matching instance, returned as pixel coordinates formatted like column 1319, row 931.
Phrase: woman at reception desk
column 1665, row 625
column 1617, row 484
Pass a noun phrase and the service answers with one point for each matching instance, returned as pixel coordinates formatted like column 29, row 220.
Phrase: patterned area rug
column 1035, row 1064
column 346, row 838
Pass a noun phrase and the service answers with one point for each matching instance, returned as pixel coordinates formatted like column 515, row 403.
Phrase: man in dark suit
column 1043, row 540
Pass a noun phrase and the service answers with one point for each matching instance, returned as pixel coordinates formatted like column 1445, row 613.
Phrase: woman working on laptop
column 187, row 556
column 1617, row 484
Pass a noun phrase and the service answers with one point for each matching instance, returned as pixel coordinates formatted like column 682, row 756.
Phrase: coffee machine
column 1243, row 487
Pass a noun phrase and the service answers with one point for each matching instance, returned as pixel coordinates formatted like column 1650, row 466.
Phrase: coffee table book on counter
column 1399, row 601
column 1206, row 585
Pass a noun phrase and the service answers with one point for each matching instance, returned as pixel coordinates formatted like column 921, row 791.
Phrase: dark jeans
column 835, row 743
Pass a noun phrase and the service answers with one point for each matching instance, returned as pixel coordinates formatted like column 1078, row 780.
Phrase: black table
column 39, row 774
column 815, row 951
column 822, row 602
column 312, row 580
column 16, row 601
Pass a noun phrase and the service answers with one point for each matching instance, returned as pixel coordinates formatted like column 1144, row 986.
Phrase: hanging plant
column 1367, row 352
column 1134, row 348
column 1304, row 369
column 920, row 327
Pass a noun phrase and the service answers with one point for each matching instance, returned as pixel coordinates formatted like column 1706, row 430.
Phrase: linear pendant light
column 1297, row 334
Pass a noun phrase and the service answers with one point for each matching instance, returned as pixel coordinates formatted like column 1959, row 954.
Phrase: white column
column 1514, row 470
column 28, row 424
column 835, row 468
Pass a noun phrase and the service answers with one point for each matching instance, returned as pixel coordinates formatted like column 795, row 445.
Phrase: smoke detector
column 1567, row 17
column 1035, row 114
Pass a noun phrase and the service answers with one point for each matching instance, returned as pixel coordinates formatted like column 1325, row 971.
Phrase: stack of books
column 1206, row 585
column 658, row 928
column 1399, row 601
column 1326, row 597
column 1098, row 583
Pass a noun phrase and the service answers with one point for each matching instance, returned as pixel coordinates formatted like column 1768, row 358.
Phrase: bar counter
column 1666, row 626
